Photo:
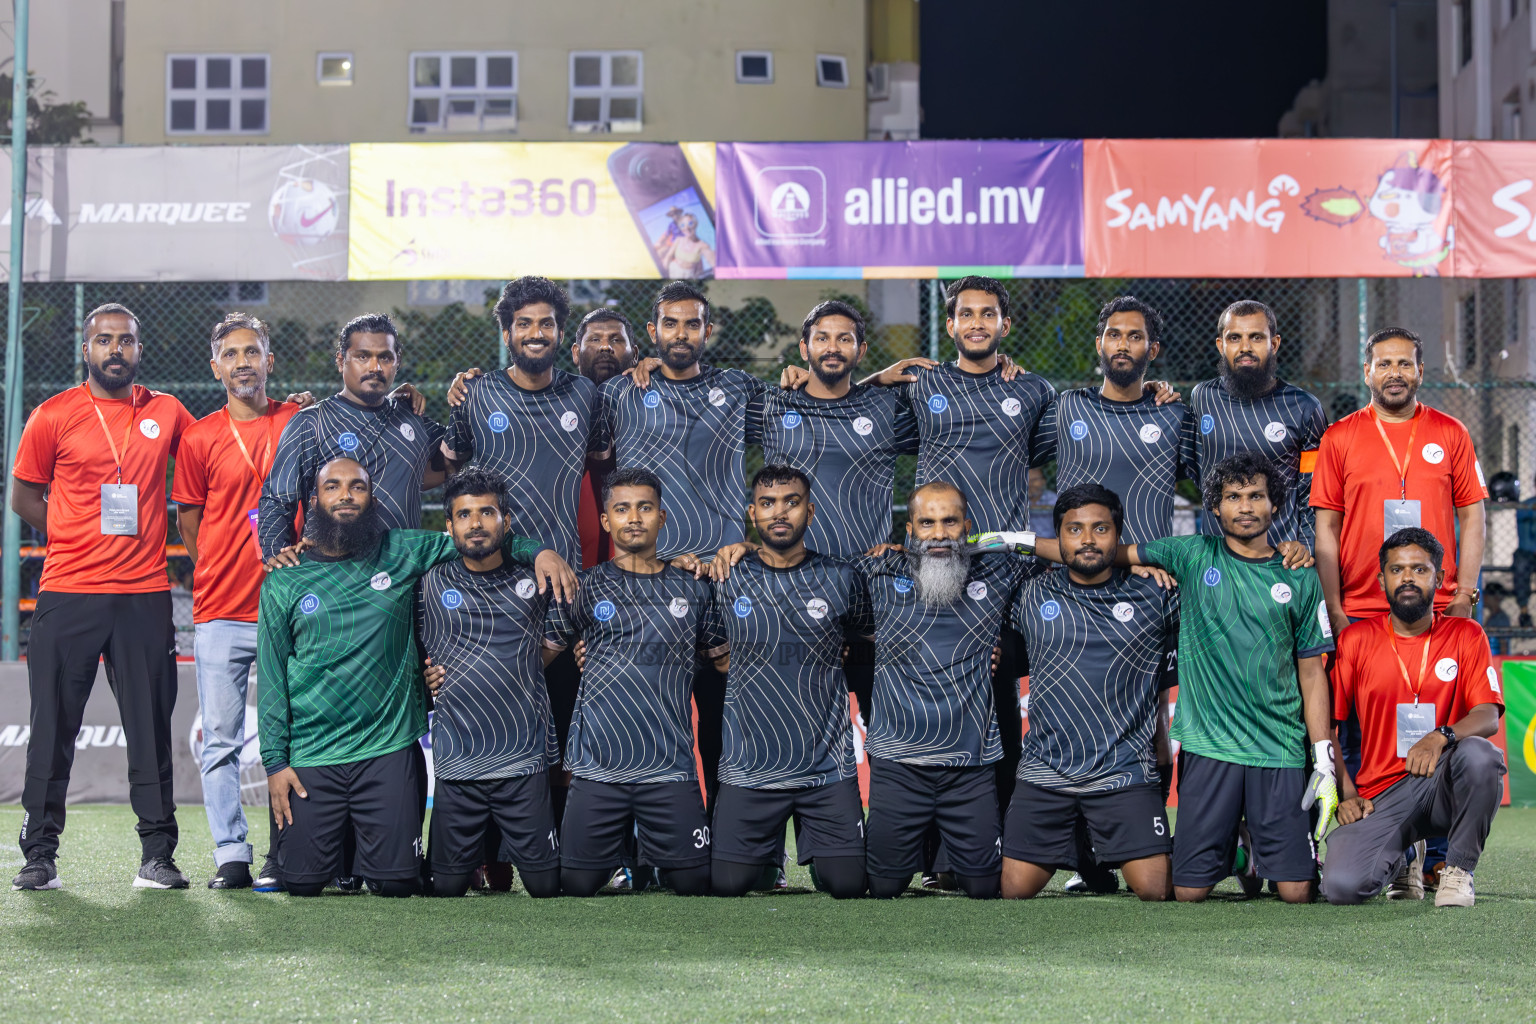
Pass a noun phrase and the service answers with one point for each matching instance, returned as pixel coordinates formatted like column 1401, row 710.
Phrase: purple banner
column 899, row 209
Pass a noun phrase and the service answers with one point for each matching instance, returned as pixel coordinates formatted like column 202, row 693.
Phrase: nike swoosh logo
column 309, row 222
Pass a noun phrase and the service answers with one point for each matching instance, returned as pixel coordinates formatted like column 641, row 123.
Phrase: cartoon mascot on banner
column 1407, row 200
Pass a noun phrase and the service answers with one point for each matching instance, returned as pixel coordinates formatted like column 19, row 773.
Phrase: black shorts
column 904, row 799
column 1124, row 824
column 1215, row 795
column 377, row 799
column 600, row 816
column 518, row 810
column 749, row 823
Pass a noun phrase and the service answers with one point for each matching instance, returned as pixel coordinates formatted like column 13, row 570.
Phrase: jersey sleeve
column 1309, row 615
column 604, row 412
column 287, row 485
column 1344, row 672
column 38, row 447
column 860, row 624
column 274, row 646
column 181, row 420
column 1326, row 488
column 905, row 430
column 756, row 410
column 1479, row 678
column 460, row 436
column 1187, row 466
column 1171, row 553
column 1312, row 432
column 1467, row 487
column 599, row 440
column 1042, row 442
column 435, row 432
column 713, row 640
column 189, row 482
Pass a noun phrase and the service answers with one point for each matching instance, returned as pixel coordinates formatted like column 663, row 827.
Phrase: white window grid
column 741, row 59
column 613, row 99
column 831, row 71
column 230, row 105
column 342, row 75
column 470, row 91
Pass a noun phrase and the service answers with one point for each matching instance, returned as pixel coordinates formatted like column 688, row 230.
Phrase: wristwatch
column 1450, row 736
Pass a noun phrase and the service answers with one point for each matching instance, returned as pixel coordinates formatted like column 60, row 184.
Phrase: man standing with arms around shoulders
column 90, row 471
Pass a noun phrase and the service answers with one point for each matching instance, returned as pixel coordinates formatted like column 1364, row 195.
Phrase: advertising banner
column 184, row 213
column 562, row 209
column 1269, row 208
column 1520, row 729
column 900, row 209
column 1495, row 209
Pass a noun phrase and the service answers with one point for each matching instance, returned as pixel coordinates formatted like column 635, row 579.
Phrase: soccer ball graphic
column 304, row 211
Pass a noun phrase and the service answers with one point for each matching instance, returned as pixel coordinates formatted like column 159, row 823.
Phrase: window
column 831, row 72
column 1463, row 27
column 606, row 89
column 754, row 67
column 463, row 92
column 216, row 94
column 333, row 69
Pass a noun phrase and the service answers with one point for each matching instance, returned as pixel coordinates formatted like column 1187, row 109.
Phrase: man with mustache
column 220, row 469
column 341, row 700
column 481, row 623
column 1428, row 767
column 1247, row 408
column 90, row 471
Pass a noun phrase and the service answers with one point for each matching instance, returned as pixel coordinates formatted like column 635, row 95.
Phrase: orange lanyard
column 271, row 449
column 1401, row 465
column 127, row 434
column 1423, row 658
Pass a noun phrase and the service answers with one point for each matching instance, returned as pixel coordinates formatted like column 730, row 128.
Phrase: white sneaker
column 1409, row 883
column 622, row 881
column 1455, row 888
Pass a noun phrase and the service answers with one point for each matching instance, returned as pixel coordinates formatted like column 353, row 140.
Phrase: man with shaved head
column 341, row 702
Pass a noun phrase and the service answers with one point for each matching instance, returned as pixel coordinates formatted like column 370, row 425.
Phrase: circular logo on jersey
column 149, row 428
column 1078, row 430
column 976, row 590
column 1207, row 423
column 863, row 426
column 791, row 420
column 568, row 421
column 938, row 403
column 1212, row 576
column 678, row 607
column 716, row 396
column 380, row 581
column 1446, row 669
column 407, row 431
column 1281, row 593
column 1050, row 610
column 603, row 611
column 816, row 608
column 1150, row 433
column 525, row 589
column 1433, row 454
column 1274, row 431
column 1124, row 611
column 902, row 584
column 309, row 604
column 652, row 399
column 452, row 599
column 347, row 442
column 743, row 606
column 1011, row 407
column 498, row 421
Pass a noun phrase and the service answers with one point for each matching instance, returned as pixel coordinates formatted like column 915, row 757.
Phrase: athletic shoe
column 236, row 874
column 267, row 879
column 160, row 873
column 1243, row 865
column 1409, row 883
column 931, row 882
column 38, row 874
column 348, row 883
column 1455, row 888
column 1100, row 881
column 781, row 883
column 622, row 881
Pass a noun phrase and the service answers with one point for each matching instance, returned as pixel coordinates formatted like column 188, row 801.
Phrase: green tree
column 49, row 123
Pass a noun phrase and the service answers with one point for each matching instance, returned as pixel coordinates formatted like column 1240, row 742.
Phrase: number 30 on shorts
column 701, row 837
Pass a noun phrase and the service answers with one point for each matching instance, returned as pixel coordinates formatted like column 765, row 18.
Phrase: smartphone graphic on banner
column 668, row 207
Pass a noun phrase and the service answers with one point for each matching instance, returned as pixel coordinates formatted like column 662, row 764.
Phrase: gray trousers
column 1457, row 801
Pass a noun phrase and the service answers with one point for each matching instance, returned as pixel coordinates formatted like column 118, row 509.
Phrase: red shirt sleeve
column 189, row 485
column 1479, row 679
column 36, row 450
column 1344, row 676
column 1466, row 475
column 183, row 421
column 1328, row 475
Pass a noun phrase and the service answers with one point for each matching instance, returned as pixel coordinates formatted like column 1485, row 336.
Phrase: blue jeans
column 225, row 652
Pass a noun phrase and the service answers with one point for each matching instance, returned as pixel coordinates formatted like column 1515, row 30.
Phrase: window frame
column 742, row 78
column 446, row 93
column 605, row 93
column 821, row 81
column 200, row 94
column 322, row 57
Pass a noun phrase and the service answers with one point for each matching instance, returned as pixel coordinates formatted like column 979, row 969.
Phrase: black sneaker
column 348, row 883
column 268, row 880
column 38, row 874
column 236, row 874
column 160, row 873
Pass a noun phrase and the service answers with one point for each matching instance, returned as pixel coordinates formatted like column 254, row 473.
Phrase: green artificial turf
column 99, row 950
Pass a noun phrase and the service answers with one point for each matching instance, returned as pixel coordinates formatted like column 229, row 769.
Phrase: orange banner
column 1495, row 209
column 1268, row 208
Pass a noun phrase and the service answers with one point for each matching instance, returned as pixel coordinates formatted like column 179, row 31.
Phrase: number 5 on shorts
column 1158, row 828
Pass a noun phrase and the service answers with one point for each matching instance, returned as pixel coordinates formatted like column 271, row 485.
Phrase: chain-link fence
column 1479, row 359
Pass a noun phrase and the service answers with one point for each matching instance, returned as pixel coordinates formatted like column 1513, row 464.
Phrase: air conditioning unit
column 626, row 125
column 878, row 82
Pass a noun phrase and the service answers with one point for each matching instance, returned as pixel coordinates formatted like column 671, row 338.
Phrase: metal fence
column 1479, row 359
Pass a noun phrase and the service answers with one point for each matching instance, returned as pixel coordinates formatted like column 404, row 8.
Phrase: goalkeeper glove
column 1322, row 788
column 1021, row 541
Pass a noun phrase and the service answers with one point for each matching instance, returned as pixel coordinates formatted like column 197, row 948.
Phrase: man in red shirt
column 90, row 470
column 1427, row 696
column 223, row 462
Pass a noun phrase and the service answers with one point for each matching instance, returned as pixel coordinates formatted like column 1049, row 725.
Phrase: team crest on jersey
column 1274, row 431
column 1012, row 407
column 743, row 606
column 716, row 397
column 498, row 421
column 1433, row 454
column 407, row 431
column 1281, row 593
column 1212, row 576
column 452, row 599
column 1124, row 611
column 938, row 403
column 1150, row 433
column 381, row 581
column 309, row 604
column 791, row 420
column 1207, row 423
column 976, row 590
column 1050, row 610
column 603, row 611
column 149, row 428
column 1078, row 430
column 525, row 589
column 347, row 442
column 678, row 607
column 1446, row 669
column 816, row 608
column 568, row 421
column 902, row 584
column 863, row 426
column 652, row 399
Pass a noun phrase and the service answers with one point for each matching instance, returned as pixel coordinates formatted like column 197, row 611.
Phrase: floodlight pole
column 10, row 536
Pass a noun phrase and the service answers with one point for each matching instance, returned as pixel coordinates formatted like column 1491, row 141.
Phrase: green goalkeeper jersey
column 1243, row 624
column 339, row 677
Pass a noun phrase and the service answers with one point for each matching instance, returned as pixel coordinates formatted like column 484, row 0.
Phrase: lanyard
column 1423, row 658
column 1401, row 465
column 127, row 434
column 261, row 477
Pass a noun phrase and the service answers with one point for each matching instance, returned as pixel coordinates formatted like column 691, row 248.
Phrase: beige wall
column 70, row 50
column 690, row 89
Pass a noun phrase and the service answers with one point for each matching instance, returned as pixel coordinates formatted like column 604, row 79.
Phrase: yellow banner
column 489, row 210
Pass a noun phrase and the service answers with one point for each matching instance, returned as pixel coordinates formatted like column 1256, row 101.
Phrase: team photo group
column 633, row 662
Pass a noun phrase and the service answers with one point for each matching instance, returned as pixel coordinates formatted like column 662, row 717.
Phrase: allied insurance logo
column 790, row 202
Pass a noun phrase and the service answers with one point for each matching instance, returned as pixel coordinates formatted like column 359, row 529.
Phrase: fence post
column 10, row 536
column 79, row 321
column 1365, row 333
column 935, row 317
